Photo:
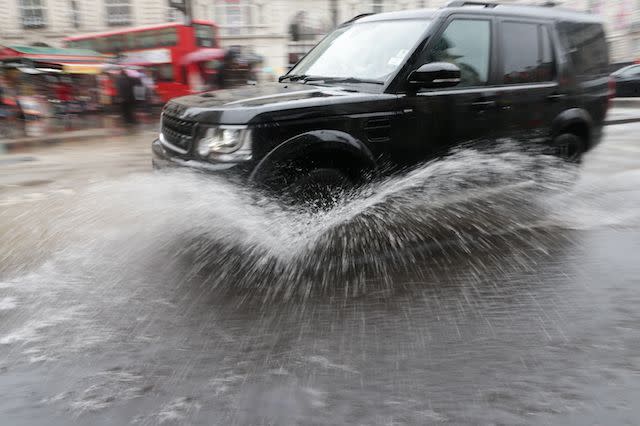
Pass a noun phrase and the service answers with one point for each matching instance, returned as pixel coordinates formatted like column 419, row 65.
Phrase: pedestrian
column 63, row 94
column 150, row 89
column 2, row 108
column 139, row 92
column 127, row 97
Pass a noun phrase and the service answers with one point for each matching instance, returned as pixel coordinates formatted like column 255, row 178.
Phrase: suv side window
column 527, row 55
column 587, row 47
column 467, row 44
column 631, row 72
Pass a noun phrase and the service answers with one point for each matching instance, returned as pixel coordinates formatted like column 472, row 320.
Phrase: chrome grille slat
column 178, row 132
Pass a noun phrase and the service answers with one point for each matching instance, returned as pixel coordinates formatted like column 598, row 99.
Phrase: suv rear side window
column 587, row 47
column 527, row 55
column 467, row 44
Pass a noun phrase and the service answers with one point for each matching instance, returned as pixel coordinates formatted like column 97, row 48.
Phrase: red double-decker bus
column 182, row 58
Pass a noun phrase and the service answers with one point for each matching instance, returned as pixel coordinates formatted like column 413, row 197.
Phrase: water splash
column 143, row 265
column 230, row 237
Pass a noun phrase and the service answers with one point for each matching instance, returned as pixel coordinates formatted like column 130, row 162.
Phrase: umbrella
column 133, row 73
column 202, row 55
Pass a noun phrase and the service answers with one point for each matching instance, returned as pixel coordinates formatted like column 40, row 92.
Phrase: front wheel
column 319, row 188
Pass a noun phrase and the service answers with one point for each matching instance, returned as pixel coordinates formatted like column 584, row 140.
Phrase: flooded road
column 438, row 297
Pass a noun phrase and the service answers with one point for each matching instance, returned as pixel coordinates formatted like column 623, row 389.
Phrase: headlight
column 226, row 143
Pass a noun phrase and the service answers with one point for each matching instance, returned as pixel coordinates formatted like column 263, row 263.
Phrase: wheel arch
column 340, row 147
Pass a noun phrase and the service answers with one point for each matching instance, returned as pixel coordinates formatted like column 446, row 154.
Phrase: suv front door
column 436, row 119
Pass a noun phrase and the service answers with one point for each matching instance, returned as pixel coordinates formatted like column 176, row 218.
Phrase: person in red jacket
column 63, row 92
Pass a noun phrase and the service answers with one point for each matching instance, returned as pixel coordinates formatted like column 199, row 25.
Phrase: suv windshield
column 369, row 51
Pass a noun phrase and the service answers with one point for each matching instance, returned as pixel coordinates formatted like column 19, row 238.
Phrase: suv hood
column 275, row 102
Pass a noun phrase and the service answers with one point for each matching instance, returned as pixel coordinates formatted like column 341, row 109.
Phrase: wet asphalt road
column 540, row 327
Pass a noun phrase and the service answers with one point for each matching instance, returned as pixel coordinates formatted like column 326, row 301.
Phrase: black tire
column 319, row 188
column 569, row 147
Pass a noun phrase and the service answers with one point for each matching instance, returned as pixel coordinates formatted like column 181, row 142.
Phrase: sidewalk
column 618, row 115
column 623, row 111
column 16, row 135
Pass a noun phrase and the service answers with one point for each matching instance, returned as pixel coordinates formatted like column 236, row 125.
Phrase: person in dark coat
column 127, row 97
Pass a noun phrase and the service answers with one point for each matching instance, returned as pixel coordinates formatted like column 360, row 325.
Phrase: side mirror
column 435, row 75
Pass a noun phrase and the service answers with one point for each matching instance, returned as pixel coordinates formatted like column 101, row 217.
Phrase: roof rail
column 461, row 3
column 355, row 18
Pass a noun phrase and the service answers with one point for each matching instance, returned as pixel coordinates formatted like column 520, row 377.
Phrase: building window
column 304, row 28
column 33, row 13
column 237, row 16
column 173, row 15
column 118, row 12
column 74, row 13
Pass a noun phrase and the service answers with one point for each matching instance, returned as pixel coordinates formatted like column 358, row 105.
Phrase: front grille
column 178, row 132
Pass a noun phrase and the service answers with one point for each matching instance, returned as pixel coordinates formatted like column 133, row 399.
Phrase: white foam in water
column 8, row 303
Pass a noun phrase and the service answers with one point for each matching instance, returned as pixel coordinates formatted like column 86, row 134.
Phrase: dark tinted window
column 586, row 46
column 520, row 52
column 466, row 43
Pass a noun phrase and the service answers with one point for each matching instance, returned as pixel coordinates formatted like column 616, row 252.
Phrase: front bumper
column 162, row 158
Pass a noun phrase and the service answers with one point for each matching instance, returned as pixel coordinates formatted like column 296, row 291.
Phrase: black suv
column 385, row 92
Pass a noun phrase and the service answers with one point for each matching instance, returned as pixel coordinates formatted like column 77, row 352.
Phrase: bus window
column 130, row 41
column 205, row 36
column 148, row 39
column 163, row 72
column 101, row 45
column 136, row 40
column 167, row 37
column 117, row 43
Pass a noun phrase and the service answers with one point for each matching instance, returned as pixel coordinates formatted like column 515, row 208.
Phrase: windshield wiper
column 303, row 78
column 341, row 80
column 292, row 77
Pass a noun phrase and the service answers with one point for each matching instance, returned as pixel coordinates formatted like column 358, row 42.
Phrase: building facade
column 276, row 29
column 49, row 21
column 266, row 24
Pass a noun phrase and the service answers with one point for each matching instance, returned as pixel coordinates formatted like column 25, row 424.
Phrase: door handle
column 483, row 105
column 556, row 97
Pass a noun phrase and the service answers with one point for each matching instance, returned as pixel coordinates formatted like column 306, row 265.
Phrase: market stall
column 33, row 76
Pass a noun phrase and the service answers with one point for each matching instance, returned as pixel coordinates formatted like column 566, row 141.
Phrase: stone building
column 49, row 21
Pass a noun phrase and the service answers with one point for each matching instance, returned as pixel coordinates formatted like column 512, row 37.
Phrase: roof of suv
column 491, row 9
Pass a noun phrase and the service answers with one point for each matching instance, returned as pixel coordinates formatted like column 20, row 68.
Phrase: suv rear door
column 436, row 119
column 529, row 96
